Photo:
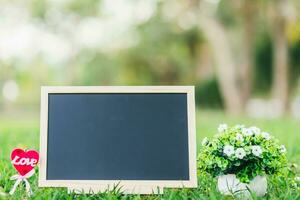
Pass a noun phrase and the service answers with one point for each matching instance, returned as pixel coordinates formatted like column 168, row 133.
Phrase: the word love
column 24, row 161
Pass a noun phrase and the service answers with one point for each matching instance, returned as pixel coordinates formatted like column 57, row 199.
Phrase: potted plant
column 240, row 158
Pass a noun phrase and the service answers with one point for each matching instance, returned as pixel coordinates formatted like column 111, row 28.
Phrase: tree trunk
column 247, row 67
column 280, row 57
column 225, row 66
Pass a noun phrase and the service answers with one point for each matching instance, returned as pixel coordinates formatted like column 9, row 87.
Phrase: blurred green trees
column 231, row 50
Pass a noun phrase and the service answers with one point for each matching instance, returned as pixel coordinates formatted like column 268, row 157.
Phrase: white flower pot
column 229, row 185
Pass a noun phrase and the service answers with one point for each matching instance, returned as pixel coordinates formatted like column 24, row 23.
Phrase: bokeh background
column 243, row 56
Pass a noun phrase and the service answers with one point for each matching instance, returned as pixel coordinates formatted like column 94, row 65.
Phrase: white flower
column 256, row 150
column 228, row 150
column 266, row 135
column 240, row 153
column 297, row 179
column 222, row 128
column 282, row 149
column 239, row 137
column 205, row 141
column 255, row 130
column 247, row 132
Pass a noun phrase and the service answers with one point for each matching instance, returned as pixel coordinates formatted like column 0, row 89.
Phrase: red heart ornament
column 24, row 161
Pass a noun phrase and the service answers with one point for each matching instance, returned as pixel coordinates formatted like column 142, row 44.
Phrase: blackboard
column 117, row 137
column 102, row 135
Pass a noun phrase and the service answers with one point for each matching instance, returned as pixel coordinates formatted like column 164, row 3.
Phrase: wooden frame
column 127, row 186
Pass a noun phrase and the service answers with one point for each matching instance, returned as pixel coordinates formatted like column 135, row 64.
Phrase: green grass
column 25, row 133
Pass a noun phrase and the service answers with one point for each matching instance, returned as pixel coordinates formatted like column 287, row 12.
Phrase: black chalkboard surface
column 137, row 137
column 117, row 136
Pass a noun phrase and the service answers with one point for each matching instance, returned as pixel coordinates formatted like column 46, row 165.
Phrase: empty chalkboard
column 105, row 135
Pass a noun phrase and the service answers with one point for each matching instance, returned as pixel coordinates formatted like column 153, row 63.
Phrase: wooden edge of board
column 131, row 185
column 118, row 89
column 43, row 135
column 192, row 137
